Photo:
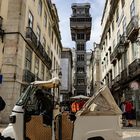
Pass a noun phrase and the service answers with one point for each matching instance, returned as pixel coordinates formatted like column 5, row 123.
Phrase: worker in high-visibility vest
column 77, row 106
column 73, row 107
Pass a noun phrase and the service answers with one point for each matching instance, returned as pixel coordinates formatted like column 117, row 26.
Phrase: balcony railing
column 134, row 68
column 119, row 49
column 30, row 35
column 38, row 47
column 42, row 53
column 28, row 76
column 132, row 28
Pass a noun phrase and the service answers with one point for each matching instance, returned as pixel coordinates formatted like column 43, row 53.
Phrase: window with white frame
column 135, row 51
column 36, row 66
column 118, row 36
column 30, row 19
column 124, row 61
column 114, row 43
column 124, row 25
column 28, row 59
column 38, row 33
column 132, row 9
column 40, row 7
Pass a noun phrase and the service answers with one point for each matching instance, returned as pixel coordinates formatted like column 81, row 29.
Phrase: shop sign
column 134, row 85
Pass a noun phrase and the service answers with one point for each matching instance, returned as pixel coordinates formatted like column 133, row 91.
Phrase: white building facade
column 120, row 46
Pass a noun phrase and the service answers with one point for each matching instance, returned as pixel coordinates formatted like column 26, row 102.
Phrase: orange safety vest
column 73, row 107
column 77, row 107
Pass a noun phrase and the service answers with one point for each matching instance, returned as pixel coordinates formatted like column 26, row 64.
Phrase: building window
column 28, row 59
column 124, row 61
column 44, row 42
column 38, row 33
column 135, row 51
column 36, row 66
column 132, row 9
column 115, row 70
column 80, row 69
column 80, row 57
column 118, row 36
column 42, row 71
column 30, row 20
column 40, row 7
column 124, row 25
column 80, row 47
column 117, row 14
column 113, row 43
column 45, row 20
column 113, row 25
column 80, row 36
column 123, row 3
column 52, row 36
column 80, row 81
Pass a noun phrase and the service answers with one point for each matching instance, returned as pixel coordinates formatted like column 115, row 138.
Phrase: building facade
column 120, row 49
column 95, row 69
column 80, row 24
column 30, row 46
column 66, row 68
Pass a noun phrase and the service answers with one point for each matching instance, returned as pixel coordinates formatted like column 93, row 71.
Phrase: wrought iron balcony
column 124, row 75
column 134, row 68
column 119, row 49
column 132, row 28
column 42, row 53
column 31, row 37
column 48, row 60
column 28, row 76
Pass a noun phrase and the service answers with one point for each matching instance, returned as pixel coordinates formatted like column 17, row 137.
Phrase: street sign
column 134, row 85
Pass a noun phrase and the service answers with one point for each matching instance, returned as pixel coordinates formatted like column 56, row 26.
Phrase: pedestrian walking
column 128, row 112
column 2, row 104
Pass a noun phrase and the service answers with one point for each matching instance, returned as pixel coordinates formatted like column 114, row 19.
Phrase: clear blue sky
column 64, row 12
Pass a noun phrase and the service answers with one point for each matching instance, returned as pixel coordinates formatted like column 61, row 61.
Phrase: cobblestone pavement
column 128, row 133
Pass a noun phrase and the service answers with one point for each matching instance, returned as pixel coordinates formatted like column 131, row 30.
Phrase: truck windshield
column 24, row 96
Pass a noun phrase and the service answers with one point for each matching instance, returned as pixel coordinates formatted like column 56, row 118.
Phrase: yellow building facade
column 30, row 46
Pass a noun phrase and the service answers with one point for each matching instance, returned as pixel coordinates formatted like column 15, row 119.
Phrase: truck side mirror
column 72, row 117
